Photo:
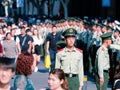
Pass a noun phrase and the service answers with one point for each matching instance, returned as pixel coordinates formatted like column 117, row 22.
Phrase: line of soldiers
column 89, row 40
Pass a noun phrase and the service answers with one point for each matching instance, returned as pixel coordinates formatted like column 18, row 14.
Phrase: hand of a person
column 101, row 81
column 1, row 54
column 33, row 50
column 47, row 52
column 29, row 51
column 80, row 87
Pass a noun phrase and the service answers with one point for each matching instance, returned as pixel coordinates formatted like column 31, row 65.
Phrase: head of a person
column 7, row 70
column 13, row 32
column 56, row 80
column 28, row 32
column 116, row 33
column 69, row 36
column 106, row 38
column 54, row 29
column 104, row 29
column 24, row 64
column 8, row 36
column 35, row 32
column 23, row 30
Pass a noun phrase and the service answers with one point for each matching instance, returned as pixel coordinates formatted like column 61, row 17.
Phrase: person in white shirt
column 37, row 42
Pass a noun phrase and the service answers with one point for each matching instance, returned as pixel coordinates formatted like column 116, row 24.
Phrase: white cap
column 117, row 22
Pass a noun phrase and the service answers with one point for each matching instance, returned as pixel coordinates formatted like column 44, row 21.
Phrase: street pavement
column 39, row 79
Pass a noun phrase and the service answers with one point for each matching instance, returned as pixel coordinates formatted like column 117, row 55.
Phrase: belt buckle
column 70, row 75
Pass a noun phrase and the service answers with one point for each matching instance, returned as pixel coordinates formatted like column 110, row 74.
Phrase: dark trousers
column 52, row 58
column 13, row 60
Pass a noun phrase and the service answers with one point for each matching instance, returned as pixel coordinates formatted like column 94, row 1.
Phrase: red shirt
column 1, row 49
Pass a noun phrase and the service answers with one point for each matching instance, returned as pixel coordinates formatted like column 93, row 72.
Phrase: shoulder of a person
column 101, row 49
column 80, row 50
column 60, row 50
column 20, row 76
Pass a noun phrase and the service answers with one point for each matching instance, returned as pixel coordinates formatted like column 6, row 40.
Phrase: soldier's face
column 109, row 42
column 70, row 41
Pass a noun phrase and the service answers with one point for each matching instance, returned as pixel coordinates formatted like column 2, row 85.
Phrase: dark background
column 93, row 8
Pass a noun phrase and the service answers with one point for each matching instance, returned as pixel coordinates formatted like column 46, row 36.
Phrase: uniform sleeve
column 81, row 73
column 57, row 61
column 114, row 46
column 100, row 62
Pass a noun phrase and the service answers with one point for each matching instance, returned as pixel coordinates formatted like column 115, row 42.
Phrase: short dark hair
column 7, row 63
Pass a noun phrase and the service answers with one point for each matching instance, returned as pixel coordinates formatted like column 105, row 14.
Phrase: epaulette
column 103, row 49
column 60, row 50
column 118, row 40
column 79, row 50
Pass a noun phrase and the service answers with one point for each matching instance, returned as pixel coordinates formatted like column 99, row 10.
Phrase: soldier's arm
column 57, row 61
column 100, row 63
column 81, row 73
column 115, row 46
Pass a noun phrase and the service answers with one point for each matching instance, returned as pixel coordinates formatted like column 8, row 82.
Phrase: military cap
column 69, row 32
column 7, row 63
column 106, row 36
column 100, row 25
column 61, row 44
column 117, row 22
column 109, row 28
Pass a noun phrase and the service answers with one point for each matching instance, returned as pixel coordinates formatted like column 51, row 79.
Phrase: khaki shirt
column 71, row 62
column 103, row 60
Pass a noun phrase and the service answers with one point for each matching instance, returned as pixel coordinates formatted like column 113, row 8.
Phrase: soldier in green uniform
column 102, row 64
column 70, row 60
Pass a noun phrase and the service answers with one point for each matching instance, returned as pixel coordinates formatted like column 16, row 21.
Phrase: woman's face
column 8, row 37
column 5, row 75
column 35, row 32
column 54, row 82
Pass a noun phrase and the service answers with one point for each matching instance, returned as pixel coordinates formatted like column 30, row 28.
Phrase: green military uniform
column 71, row 62
column 102, row 64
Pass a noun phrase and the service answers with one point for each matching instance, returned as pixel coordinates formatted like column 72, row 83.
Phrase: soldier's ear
column 65, row 40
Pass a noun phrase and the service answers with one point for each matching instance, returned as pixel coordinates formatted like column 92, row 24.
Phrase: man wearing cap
column 102, row 64
column 70, row 60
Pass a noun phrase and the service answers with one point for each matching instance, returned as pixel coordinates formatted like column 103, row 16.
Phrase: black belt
column 106, row 71
column 70, row 75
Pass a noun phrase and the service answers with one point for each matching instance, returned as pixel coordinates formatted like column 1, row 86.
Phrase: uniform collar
column 67, row 50
column 105, row 48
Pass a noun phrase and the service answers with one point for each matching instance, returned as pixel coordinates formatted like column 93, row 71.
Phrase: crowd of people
column 77, row 47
